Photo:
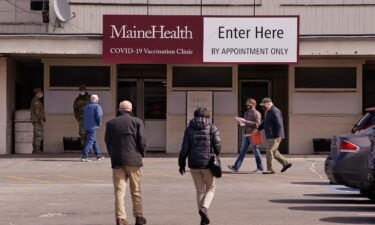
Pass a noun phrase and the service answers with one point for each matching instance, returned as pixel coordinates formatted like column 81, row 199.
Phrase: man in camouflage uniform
column 37, row 117
column 79, row 104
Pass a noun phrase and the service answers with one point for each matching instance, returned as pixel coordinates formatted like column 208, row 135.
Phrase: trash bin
column 322, row 145
column 72, row 144
column 23, row 132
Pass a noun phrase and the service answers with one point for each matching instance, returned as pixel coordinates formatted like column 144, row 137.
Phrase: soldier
column 79, row 104
column 37, row 118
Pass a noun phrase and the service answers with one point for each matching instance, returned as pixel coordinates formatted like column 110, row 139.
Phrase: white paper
column 240, row 121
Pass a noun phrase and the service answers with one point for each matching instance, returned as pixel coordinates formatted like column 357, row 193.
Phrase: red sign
column 152, row 39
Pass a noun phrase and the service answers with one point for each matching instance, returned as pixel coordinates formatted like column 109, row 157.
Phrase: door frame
column 240, row 82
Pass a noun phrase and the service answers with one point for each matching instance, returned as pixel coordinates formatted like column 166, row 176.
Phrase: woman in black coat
column 201, row 140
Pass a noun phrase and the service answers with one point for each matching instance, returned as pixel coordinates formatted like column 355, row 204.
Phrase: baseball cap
column 265, row 100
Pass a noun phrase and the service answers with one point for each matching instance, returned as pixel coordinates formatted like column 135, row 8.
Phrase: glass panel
column 127, row 90
column 325, row 77
column 155, row 102
column 73, row 76
column 220, row 77
column 255, row 90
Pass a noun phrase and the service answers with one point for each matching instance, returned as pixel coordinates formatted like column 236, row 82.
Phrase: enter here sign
column 250, row 39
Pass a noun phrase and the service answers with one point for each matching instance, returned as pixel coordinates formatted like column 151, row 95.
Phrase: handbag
column 214, row 163
column 256, row 138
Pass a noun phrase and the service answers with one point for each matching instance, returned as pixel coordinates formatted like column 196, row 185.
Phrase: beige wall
column 328, row 122
column 7, row 103
column 65, row 125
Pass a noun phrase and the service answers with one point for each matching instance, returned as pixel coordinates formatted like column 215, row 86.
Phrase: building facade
column 324, row 94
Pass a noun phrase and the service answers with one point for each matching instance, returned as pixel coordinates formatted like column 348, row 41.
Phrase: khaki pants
column 120, row 178
column 205, row 185
column 273, row 152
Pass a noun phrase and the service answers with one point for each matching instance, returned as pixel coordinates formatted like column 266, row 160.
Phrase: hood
column 199, row 123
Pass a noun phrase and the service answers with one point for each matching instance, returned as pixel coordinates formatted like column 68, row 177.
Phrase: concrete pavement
column 61, row 190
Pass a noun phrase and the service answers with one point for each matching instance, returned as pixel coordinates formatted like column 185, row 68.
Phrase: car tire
column 370, row 194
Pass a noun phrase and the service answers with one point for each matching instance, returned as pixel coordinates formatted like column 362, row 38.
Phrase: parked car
column 348, row 162
column 371, row 169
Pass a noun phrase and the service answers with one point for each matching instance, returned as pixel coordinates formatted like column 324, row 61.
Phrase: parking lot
column 61, row 190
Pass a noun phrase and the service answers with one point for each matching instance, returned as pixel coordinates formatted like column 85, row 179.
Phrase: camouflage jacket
column 79, row 104
column 37, row 114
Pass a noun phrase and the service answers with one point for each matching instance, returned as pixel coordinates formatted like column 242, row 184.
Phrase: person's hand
column 278, row 140
column 182, row 170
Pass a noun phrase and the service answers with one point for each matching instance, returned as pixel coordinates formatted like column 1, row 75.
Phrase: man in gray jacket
column 274, row 128
column 126, row 143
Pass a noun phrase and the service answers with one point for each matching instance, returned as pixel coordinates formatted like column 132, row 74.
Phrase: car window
column 363, row 122
column 372, row 120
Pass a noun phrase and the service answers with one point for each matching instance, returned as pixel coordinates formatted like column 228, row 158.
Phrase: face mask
column 41, row 96
column 82, row 93
column 249, row 106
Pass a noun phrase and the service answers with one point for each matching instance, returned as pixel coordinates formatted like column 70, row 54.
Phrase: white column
column 3, row 105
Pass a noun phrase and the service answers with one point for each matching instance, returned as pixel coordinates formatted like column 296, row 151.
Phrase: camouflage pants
column 37, row 136
column 82, row 133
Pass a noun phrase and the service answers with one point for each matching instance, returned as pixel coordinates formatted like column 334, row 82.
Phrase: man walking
column 37, row 117
column 126, row 143
column 251, row 120
column 274, row 129
column 79, row 104
column 92, row 120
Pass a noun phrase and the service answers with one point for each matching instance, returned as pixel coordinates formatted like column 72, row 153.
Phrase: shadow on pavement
column 350, row 220
column 334, row 208
column 321, row 201
column 311, row 183
column 335, row 195
column 58, row 160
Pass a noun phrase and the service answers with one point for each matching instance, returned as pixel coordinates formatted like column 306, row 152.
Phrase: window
column 326, row 77
column 216, row 77
column 39, row 5
column 73, row 76
column 155, row 102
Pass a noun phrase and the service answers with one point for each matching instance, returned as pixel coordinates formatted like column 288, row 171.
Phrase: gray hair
column 94, row 98
column 126, row 106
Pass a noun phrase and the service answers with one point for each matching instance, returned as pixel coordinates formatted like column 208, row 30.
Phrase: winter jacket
column 273, row 124
column 125, row 140
column 92, row 116
column 199, row 138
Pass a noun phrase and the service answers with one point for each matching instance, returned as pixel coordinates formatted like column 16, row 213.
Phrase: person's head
column 82, row 89
column 38, row 92
column 251, row 103
column 266, row 103
column 201, row 112
column 94, row 98
column 126, row 106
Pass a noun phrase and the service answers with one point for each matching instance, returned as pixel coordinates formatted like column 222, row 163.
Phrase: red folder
column 256, row 138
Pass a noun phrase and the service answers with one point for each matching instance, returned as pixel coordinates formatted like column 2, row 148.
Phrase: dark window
column 155, row 102
column 325, row 77
column 39, row 5
column 73, row 76
column 219, row 77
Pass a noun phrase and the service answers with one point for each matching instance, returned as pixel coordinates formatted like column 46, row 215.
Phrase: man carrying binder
column 251, row 121
column 274, row 129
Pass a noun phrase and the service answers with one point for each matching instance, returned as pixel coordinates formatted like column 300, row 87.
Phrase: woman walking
column 201, row 140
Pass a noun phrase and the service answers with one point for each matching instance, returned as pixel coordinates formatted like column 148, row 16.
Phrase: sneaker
column 257, row 171
column 86, row 160
column 232, row 168
column 140, row 220
column 269, row 172
column 204, row 215
column 121, row 222
column 286, row 167
column 100, row 158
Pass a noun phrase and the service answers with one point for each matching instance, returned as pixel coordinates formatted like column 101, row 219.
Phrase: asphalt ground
column 61, row 190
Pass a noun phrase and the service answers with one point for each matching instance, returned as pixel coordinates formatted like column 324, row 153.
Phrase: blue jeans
column 91, row 143
column 245, row 146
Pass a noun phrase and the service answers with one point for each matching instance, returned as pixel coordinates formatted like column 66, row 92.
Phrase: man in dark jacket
column 274, row 130
column 126, row 143
column 201, row 140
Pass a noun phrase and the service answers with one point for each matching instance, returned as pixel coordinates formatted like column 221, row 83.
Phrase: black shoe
column 286, row 167
column 121, row 222
column 204, row 215
column 140, row 220
column 232, row 168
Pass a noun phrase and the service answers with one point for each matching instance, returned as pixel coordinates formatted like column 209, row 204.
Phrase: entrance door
column 256, row 89
column 149, row 104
